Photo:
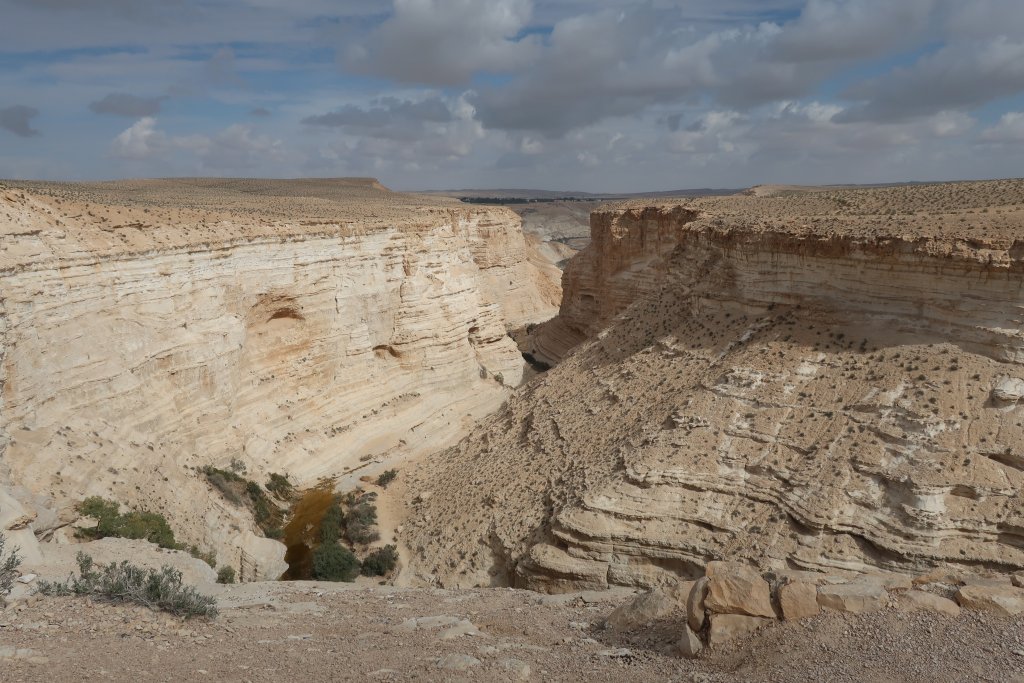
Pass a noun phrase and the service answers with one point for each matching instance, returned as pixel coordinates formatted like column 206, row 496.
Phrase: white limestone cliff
column 138, row 346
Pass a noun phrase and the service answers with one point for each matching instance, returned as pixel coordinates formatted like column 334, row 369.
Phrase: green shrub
column 123, row 582
column 148, row 526
column 360, row 524
column 279, row 485
column 207, row 556
column 8, row 567
column 226, row 575
column 386, row 478
column 331, row 522
column 229, row 484
column 99, row 508
column 380, row 562
column 334, row 562
column 240, row 491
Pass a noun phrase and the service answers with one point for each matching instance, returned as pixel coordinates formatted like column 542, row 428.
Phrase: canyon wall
column 797, row 391
column 624, row 260
column 138, row 345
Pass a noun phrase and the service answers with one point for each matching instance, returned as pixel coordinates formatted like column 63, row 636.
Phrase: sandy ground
column 311, row 631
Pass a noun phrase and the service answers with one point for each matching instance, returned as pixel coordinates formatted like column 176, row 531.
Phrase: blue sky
column 598, row 95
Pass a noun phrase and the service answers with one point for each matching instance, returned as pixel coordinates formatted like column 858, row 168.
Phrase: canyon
column 820, row 380
column 730, row 433
column 311, row 328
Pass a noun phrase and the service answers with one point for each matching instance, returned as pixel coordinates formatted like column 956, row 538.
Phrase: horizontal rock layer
column 126, row 365
column 789, row 397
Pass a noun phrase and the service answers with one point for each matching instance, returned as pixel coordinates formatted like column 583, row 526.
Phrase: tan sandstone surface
column 806, row 380
column 313, row 328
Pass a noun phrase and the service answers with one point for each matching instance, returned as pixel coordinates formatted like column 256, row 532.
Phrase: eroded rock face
column 796, row 392
column 625, row 261
column 142, row 340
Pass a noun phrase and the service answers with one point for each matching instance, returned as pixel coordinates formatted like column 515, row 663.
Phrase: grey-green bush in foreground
column 155, row 588
column 8, row 567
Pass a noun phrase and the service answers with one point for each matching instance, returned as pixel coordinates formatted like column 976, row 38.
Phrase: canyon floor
column 317, row 631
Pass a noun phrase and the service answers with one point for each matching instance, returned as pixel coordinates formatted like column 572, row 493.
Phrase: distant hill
column 522, row 196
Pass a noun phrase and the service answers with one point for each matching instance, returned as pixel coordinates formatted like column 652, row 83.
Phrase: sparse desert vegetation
column 124, row 582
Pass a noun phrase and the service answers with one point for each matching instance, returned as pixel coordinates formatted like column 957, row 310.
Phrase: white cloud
column 236, row 148
column 446, row 42
column 140, row 141
column 1008, row 131
column 959, row 76
column 851, row 29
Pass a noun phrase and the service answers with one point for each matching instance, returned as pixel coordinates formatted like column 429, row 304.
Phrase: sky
column 574, row 95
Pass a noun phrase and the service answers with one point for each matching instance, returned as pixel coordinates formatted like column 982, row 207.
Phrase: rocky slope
column 304, row 327
column 816, row 381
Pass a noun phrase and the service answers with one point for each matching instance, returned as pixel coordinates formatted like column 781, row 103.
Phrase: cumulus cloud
column 594, row 66
column 140, row 141
column 238, row 147
column 614, row 93
column 981, row 19
column 1008, row 131
column 123, row 104
column 446, row 42
column 621, row 62
column 850, row 29
column 961, row 76
column 17, row 119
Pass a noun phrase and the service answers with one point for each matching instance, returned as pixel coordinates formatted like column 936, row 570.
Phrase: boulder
column 726, row 627
column 1004, row 601
column 798, row 600
column 647, row 607
column 857, row 598
column 920, row 601
column 737, row 589
column 260, row 559
column 689, row 645
column 16, row 525
column 1008, row 389
column 695, row 607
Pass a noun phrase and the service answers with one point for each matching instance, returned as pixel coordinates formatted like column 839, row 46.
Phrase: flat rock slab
column 1006, row 601
column 856, row 598
column 737, row 589
column 726, row 627
column 920, row 601
column 799, row 600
